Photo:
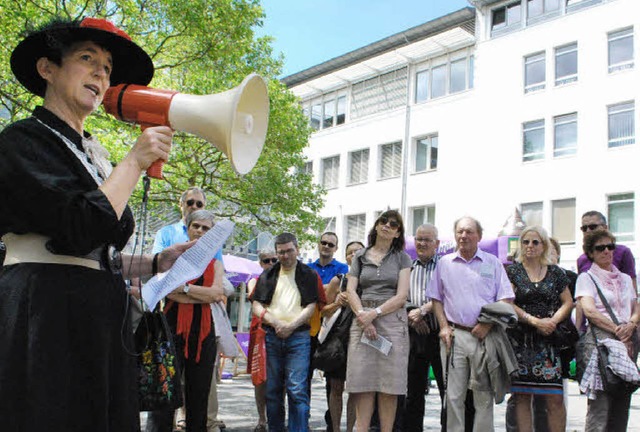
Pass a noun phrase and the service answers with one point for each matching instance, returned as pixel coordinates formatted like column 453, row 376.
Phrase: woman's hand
column 342, row 299
column 154, row 143
column 365, row 318
column 168, row 256
column 545, row 326
column 370, row 332
column 625, row 331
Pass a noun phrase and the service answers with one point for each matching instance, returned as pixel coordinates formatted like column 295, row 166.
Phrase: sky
column 309, row 32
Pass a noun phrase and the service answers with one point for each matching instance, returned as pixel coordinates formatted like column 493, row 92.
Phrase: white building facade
column 526, row 104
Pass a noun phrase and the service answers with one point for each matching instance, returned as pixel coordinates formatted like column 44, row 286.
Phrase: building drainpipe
column 406, row 147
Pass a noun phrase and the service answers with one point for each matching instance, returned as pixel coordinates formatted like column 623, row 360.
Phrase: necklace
column 538, row 279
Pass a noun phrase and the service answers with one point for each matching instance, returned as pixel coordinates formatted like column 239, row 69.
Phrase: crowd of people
column 486, row 329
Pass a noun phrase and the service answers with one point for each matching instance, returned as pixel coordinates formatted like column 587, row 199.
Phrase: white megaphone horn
column 234, row 121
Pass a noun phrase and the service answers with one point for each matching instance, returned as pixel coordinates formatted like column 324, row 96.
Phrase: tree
column 198, row 47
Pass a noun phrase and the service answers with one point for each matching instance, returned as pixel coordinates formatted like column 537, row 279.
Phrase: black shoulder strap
column 604, row 301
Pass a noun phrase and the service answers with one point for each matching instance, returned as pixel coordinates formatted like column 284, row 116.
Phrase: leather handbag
column 565, row 336
column 159, row 386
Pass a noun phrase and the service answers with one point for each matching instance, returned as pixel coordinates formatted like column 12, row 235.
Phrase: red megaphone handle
column 155, row 169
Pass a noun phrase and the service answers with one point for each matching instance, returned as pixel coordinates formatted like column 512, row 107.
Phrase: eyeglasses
column 270, row 260
column 423, row 240
column 326, row 243
column 601, row 248
column 392, row 222
column 535, row 242
column 286, row 252
column 590, row 227
column 191, row 202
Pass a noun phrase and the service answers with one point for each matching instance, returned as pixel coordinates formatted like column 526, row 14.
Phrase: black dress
column 539, row 362
column 63, row 365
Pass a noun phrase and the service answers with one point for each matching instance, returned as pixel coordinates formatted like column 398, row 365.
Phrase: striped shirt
column 420, row 277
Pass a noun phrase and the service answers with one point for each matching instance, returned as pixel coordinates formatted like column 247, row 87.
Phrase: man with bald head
column 463, row 282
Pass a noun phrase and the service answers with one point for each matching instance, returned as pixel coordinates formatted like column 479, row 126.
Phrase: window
column 621, row 216
column 567, row 64
column 534, row 72
column 458, row 81
column 342, row 110
column 531, row 213
column 471, row 70
column 325, row 112
column 422, row 86
column 390, row 160
column 426, row 156
column 506, row 16
column 621, row 124
column 536, row 8
column 439, row 81
column 355, row 228
column 316, row 115
column 359, row 166
column 563, row 219
column 330, row 170
column 380, row 93
column 422, row 215
column 532, row 140
column 308, row 168
column 329, row 114
column 565, row 135
column 620, row 50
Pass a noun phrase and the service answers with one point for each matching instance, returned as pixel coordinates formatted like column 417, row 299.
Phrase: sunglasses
column 601, row 248
column 269, row 260
column 590, row 227
column 326, row 243
column 191, row 202
column 533, row 242
column 392, row 222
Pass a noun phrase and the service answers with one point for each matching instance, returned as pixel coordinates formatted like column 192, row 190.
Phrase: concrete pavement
column 237, row 407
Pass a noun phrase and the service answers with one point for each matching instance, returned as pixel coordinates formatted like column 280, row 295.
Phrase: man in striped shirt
column 423, row 330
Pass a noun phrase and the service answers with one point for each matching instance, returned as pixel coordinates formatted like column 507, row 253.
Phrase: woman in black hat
column 63, row 359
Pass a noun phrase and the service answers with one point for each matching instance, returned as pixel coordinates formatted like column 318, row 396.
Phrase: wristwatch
column 378, row 311
column 186, row 289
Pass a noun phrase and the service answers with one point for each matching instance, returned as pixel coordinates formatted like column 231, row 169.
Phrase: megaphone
column 234, row 121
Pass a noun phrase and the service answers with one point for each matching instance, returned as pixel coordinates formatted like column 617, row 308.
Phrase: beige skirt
column 368, row 370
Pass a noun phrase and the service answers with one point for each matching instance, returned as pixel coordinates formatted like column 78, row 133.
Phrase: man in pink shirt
column 463, row 282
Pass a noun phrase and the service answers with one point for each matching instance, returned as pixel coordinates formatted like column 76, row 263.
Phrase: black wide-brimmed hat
column 131, row 65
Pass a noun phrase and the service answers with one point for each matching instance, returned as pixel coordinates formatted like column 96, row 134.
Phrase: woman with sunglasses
column 381, row 273
column 543, row 300
column 607, row 412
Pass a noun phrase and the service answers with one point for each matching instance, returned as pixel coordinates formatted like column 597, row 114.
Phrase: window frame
column 616, row 35
column 559, row 121
column 540, row 124
column 565, row 50
column 381, row 161
column 620, row 141
column 569, row 220
column 361, row 225
column 622, row 199
column 429, row 153
column 531, row 59
column 429, row 213
column 350, row 181
column 323, row 161
column 529, row 208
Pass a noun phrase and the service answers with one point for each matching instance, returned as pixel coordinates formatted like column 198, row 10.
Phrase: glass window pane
column 565, row 135
column 390, row 160
column 621, row 47
column 418, row 218
column 342, row 110
column 551, row 5
column 458, row 75
column 439, row 81
column 355, row 228
column 533, row 141
column 499, row 18
column 471, row 71
column 359, row 170
column 535, row 8
column 422, row 86
column 621, row 216
column 564, row 220
column 514, row 14
column 422, row 150
column 566, row 64
column 316, row 115
column 433, row 163
column 329, row 113
column 621, row 124
column 330, row 170
column 531, row 213
column 534, row 72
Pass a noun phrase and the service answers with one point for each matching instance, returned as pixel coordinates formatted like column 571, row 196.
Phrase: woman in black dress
column 542, row 301
column 63, row 302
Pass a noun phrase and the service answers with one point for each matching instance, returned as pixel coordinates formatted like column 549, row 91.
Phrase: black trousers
column 197, row 383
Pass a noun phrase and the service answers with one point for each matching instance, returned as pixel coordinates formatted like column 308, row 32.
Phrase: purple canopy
column 238, row 269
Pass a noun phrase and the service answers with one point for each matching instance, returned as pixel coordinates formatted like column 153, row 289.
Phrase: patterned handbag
column 158, row 374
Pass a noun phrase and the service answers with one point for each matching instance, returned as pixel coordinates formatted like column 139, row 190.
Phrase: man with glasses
column 288, row 292
column 327, row 267
column 622, row 256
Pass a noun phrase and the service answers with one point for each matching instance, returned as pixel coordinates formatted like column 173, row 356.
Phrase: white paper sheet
column 382, row 344
column 190, row 265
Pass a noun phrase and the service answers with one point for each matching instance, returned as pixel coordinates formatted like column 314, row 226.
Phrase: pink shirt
column 621, row 301
column 463, row 287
